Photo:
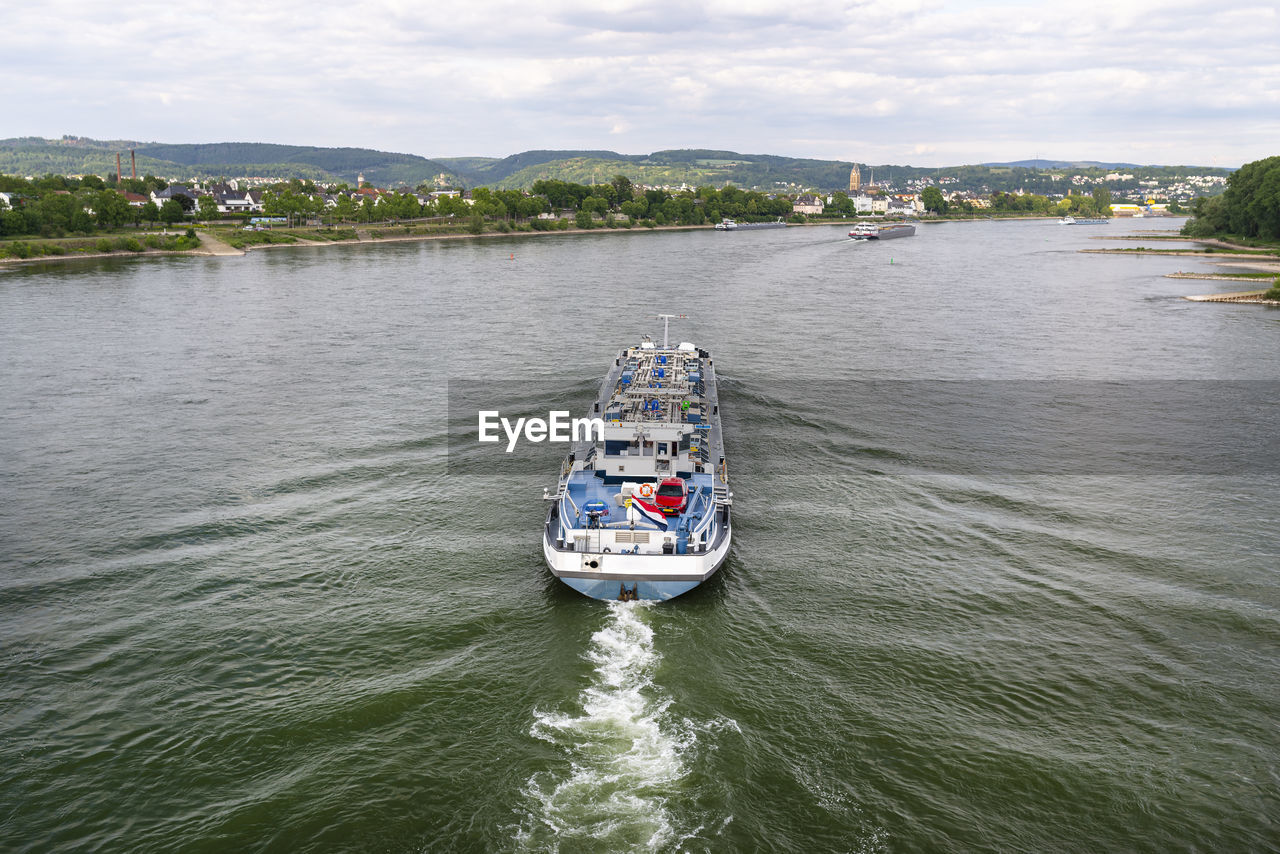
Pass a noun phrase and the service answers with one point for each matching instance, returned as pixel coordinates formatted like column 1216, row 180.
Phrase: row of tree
column 54, row 183
column 1250, row 207
column 687, row 207
column 84, row 212
column 1097, row 203
column 690, row 207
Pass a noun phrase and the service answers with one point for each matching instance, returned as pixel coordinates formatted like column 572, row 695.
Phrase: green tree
column 12, row 222
column 1102, row 200
column 150, row 213
column 531, row 206
column 606, row 192
column 81, row 221
column 1264, row 207
column 1253, row 208
column 452, row 206
column 1208, row 217
column 931, row 198
column 208, row 207
column 53, row 211
column 636, row 209
column 345, row 208
column 171, row 211
column 110, row 209
column 622, row 188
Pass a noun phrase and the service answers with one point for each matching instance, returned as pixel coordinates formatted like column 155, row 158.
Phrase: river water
column 1004, row 575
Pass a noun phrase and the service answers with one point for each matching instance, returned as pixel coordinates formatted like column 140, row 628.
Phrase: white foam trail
column 623, row 764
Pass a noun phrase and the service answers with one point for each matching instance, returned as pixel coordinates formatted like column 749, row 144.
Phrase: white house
column 239, row 201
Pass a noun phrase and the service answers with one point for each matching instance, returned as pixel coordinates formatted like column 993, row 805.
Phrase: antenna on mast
column 666, row 322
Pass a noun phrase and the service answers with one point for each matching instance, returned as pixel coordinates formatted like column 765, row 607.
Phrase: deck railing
column 569, row 498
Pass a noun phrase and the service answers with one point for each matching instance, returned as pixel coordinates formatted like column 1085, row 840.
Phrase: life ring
column 608, row 550
column 646, row 490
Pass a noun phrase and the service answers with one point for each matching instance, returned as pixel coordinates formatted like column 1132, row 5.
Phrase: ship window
column 662, row 448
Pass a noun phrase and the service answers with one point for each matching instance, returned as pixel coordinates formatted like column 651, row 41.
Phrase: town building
column 808, row 204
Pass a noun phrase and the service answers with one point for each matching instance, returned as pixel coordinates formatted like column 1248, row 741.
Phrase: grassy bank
column 1208, row 251
column 132, row 242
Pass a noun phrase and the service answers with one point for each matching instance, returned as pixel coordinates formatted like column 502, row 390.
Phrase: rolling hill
column 676, row 166
column 693, row 167
column 79, row 155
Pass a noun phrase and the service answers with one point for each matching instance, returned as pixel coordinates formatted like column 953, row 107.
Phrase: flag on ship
column 649, row 512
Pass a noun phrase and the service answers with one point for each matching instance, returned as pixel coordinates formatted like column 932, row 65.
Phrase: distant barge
column 868, row 231
column 731, row 225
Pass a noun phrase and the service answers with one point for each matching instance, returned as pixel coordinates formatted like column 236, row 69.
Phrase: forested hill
column 492, row 170
column 771, row 172
column 687, row 166
column 693, row 167
column 383, row 168
column 79, row 155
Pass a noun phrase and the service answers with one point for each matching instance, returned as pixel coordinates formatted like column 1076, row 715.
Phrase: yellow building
column 855, row 180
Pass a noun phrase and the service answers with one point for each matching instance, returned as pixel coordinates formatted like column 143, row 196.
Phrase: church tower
column 855, row 180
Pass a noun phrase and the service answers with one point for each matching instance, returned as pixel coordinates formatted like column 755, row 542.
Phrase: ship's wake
column 625, row 755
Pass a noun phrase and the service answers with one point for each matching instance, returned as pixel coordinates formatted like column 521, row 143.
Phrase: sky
column 918, row 82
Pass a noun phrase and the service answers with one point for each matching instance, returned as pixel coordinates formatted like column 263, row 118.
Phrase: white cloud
column 853, row 79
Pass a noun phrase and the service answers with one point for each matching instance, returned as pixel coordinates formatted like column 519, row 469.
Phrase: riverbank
column 1241, row 257
column 212, row 244
column 104, row 245
column 1221, row 277
column 1255, row 265
column 1249, row 297
column 1192, row 253
column 215, row 241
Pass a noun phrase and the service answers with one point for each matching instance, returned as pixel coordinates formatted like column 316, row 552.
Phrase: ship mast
column 666, row 322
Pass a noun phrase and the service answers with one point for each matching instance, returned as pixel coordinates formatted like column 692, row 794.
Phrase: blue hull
column 659, row 590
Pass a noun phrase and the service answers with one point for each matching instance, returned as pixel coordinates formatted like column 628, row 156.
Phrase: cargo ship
column 734, row 225
column 642, row 509
column 870, row 231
